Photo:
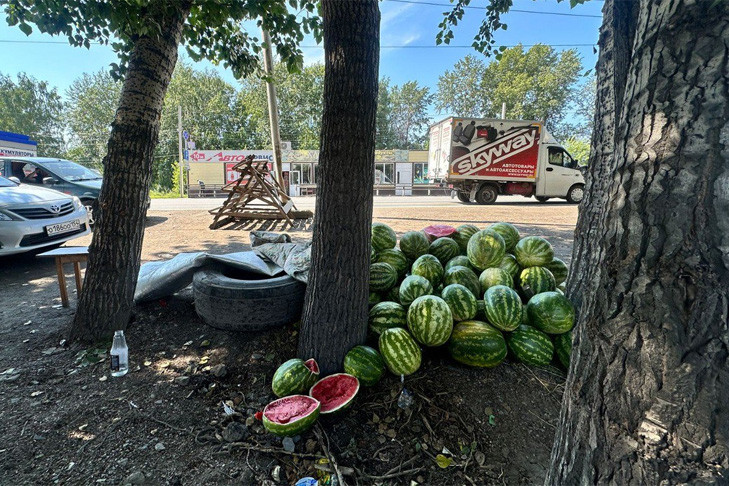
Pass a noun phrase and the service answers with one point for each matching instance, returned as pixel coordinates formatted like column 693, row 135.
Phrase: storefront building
column 17, row 145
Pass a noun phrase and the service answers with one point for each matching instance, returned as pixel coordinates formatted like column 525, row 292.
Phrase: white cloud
column 389, row 15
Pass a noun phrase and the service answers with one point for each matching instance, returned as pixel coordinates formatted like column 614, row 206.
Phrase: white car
column 35, row 217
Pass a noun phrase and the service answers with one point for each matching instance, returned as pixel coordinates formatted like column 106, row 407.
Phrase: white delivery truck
column 485, row 157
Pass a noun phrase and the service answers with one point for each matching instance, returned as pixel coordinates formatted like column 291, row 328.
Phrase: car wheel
column 463, row 197
column 487, row 194
column 576, row 193
column 542, row 199
column 235, row 300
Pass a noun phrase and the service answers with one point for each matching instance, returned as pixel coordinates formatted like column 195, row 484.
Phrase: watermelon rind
column 535, row 280
column 476, row 343
column 559, row 269
column 414, row 244
column 533, row 251
column 551, row 312
column 396, row 258
column 463, row 234
column 401, row 353
column 430, row 320
column 510, row 264
column 383, row 237
column 461, row 301
column 315, row 394
column 494, row 276
column 412, row 287
column 463, row 276
column 444, row 249
column 296, row 427
column 429, row 267
column 508, row 232
column 486, row 249
column 386, row 315
column 530, row 346
column 383, row 277
column 294, row 377
column 503, row 307
column 458, row 261
column 365, row 363
column 563, row 348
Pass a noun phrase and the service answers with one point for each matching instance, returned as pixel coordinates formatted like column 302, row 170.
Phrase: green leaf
column 492, row 420
column 26, row 29
column 443, row 461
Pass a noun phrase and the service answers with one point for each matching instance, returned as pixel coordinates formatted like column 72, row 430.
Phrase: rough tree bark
column 335, row 308
column 114, row 255
column 647, row 392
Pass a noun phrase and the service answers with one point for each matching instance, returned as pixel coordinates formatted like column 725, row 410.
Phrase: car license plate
column 60, row 228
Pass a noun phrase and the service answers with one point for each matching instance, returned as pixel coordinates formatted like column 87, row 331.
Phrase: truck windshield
column 71, row 171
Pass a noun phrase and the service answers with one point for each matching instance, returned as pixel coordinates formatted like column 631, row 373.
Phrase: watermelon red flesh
column 335, row 391
column 289, row 409
column 436, row 231
column 312, row 365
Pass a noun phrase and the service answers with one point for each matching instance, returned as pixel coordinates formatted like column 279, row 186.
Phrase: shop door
column 295, row 181
column 403, row 179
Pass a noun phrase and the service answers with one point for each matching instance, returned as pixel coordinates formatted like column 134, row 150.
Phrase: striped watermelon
column 401, row 353
column 373, row 255
column 494, row 276
column 460, row 260
column 366, row 364
column 563, row 348
column 386, row 315
column 429, row 267
column 295, row 376
column 463, row 276
column 480, row 310
column 551, row 312
column 396, row 258
column 533, row 251
column 535, row 280
column 414, row 244
column 444, row 249
column 413, row 287
column 530, row 346
column 461, row 301
column 374, row 298
column 475, row 343
column 503, row 307
column 463, row 234
column 509, row 264
column 383, row 277
column 508, row 232
column 291, row 416
column 430, row 320
column 559, row 270
column 383, row 237
column 485, row 249
column 393, row 295
column 524, row 316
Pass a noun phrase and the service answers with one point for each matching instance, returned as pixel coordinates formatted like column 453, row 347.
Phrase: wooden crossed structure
column 255, row 195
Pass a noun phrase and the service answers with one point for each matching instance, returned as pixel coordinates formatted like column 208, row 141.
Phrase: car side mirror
column 49, row 181
column 14, row 179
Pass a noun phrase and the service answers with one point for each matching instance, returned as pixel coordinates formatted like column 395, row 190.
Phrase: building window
column 384, row 173
column 420, row 173
column 306, row 173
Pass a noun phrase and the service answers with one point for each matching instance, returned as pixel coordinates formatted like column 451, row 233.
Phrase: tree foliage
column 402, row 115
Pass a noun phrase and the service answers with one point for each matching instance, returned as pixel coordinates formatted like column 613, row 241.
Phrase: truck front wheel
column 464, row 197
column 487, row 194
column 576, row 193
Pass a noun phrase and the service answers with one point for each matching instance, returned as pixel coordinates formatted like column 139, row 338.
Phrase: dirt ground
column 66, row 421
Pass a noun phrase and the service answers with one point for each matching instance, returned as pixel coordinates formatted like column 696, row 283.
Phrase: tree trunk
column 114, row 255
column 335, row 308
column 647, row 392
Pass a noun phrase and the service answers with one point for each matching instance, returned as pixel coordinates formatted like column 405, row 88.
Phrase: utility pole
column 272, row 106
column 180, row 144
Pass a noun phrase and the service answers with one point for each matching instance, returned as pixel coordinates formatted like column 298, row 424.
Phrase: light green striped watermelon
column 396, row 258
column 563, row 348
column 485, row 249
column 503, row 307
column 476, row 343
column 461, row 301
column 412, row 287
column 429, row 267
column 530, row 346
column 463, row 276
column 535, row 280
column 444, row 249
column 295, row 376
column 383, row 237
column 366, row 364
column 533, row 251
column 291, row 416
column 373, row 255
column 386, row 315
column 374, row 298
column 463, row 234
column 508, row 232
column 383, row 277
column 494, row 276
column 509, row 264
column 401, row 353
column 393, row 295
column 559, row 270
column 430, row 320
column 414, row 244
column 551, row 312
column 481, row 310
column 460, row 261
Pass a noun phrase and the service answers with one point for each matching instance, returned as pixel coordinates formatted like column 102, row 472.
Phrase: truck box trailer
column 485, row 157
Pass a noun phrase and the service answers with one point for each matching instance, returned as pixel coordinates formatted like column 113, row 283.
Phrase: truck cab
column 558, row 175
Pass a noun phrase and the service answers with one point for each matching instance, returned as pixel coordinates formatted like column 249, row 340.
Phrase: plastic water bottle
column 119, row 355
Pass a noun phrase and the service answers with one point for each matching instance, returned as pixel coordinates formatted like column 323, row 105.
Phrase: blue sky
column 403, row 24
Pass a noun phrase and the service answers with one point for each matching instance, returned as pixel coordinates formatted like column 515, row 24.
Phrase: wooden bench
column 68, row 254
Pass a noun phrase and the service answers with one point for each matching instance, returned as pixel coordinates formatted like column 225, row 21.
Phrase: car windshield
column 71, row 171
column 7, row 183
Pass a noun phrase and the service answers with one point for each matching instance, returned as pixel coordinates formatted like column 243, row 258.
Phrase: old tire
column 464, row 197
column 487, row 194
column 234, row 300
column 576, row 193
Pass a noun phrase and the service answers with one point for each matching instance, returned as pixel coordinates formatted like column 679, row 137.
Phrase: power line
column 434, row 4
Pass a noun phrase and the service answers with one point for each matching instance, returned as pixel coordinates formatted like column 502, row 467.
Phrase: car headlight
column 77, row 203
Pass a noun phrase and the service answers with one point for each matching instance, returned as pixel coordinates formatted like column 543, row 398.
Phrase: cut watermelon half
column 436, row 231
column 291, row 415
column 335, row 392
column 312, row 365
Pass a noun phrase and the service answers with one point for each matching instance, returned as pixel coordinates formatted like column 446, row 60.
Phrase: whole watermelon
column 476, row 343
column 393, row 295
column 480, row 310
column 533, row 251
column 535, row 280
column 444, row 249
column 374, row 298
column 396, row 258
column 508, row 232
column 486, row 249
column 365, row 363
column 429, row 267
column 430, row 320
column 563, row 348
column 494, row 276
column 383, row 237
column 503, row 307
column 463, row 276
column 461, row 301
column 295, row 376
column 551, row 312
column 509, row 264
column 530, row 346
column 383, row 277
column 463, row 234
column 412, row 287
column 559, row 270
column 386, row 315
column 414, row 244
column 460, row 260
column 401, row 353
